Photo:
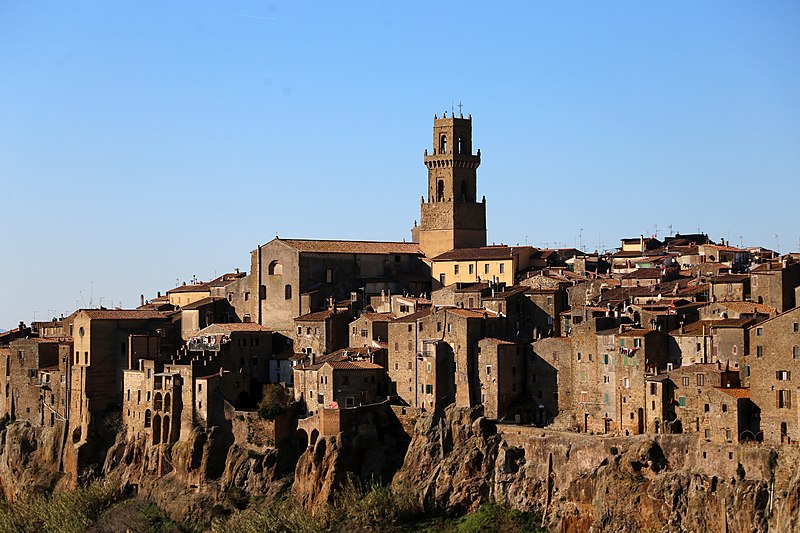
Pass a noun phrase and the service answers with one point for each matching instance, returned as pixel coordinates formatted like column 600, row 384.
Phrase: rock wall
column 580, row 482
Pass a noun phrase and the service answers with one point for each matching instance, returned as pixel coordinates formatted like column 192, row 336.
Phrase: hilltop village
column 680, row 335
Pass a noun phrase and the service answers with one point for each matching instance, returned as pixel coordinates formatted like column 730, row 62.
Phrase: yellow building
column 488, row 263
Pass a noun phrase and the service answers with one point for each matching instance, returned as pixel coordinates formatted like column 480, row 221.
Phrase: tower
column 451, row 217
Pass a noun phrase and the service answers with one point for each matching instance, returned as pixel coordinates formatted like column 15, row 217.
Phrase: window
column 449, row 328
column 759, row 351
column 724, row 407
column 247, row 297
column 443, row 144
column 428, row 366
column 455, row 270
column 605, row 358
column 759, row 331
column 287, row 292
column 784, row 399
column 701, row 380
column 486, row 268
column 410, row 348
column 470, row 303
column 429, row 389
column 795, row 327
column 783, row 375
column 626, row 383
column 488, row 370
column 396, row 346
column 442, row 278
column 796, row 352
column 584, row 396
column 583, row 377
column 471, row 269
column 685, row 381
column 606, row 379
column 262, row 292
column 653, row 388
column 637, row 343
column 682, row 401
column 708, row 434
column 328, row 275
column 728, row 435
column 409, row 328
column 706, row 408
column 502, row 268
column 590, row 358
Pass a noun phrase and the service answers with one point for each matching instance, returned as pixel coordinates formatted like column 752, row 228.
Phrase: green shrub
column 275, row 399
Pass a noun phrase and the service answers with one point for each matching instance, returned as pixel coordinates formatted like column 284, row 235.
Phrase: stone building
column 36, row 387
column 370, row 329
column 730, row 288
column 501, row 373
column 451, row 217
column 101, row 355
column 446, row 334
column 711, row 341
column 774, row 282
column 398, row 305
column 734, row 310
column 339, row 384
column 322, row 332
column 703, row 398
column 549, row 372
column 498, row 264
column 295, row 277
column 773, row 368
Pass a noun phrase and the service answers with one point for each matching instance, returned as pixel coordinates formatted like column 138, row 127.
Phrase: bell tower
column 451, row 217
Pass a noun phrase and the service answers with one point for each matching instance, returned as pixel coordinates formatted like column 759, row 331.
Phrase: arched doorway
column 157, row 429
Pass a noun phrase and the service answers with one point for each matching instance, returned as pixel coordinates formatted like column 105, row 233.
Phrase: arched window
column 157, row 401
column 275, row 269
column 440, row 191
column 167, row 402
column 443, row 144
column 157, row 429
column 287, row 292
column 460, row 144
column 760, row 300
column 147, row 418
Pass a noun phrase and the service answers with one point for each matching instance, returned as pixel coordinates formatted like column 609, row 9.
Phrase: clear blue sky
column 144, row 142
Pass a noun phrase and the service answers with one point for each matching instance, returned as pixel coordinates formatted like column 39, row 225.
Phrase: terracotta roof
column 123, row 314
column 736, row 392
column 729, row 278
column 494, row 340
column 342, row 365
column 748, row 307
column 378, row 317
column 201, row 303
column 319, row 315
column 422, row 313
column 197, row 287
column 352, row 247
column 471, row 313
column 644, row 273
column 697, row 327
column 484, row 253
column 229, row 328
column 45, row 340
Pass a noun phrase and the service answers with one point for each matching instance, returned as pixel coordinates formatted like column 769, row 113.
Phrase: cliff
column 579, row 482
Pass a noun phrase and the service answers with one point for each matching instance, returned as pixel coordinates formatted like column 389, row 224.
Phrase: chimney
column 159, row 294
column 141, row 299
column 641, row 243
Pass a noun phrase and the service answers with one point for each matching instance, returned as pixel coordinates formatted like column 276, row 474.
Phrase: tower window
column 460, row 144
column 443, row 144
column 440, row 191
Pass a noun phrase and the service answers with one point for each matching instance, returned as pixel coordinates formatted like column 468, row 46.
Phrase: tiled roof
column 342, row 365
column 122, row 314
column 471, row 313
column 378, row 317
column 697, row 327
column 484, row 253
column 729, row 278
column 644, row 273
column 352, row 247
column 230, row 328
column 422, row 313
column 197, row 287
column 201, row 303
column 748, row 307
column 737, row 392
column 319, row 315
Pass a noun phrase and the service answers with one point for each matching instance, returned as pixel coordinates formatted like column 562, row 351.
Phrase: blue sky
column 145, row 142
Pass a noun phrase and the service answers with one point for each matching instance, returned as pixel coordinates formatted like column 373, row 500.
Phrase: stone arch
column 301, row 438
column 314, row 437
column 167, row 402
column 147, row 418
column 157, row 429
column 443, row 144
column 275, row 269
column 166, row 432
column 158, row 403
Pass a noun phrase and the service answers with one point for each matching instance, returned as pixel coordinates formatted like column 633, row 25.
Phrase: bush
column 274, row 400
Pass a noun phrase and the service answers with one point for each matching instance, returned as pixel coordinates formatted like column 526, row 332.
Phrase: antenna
column 91, row 292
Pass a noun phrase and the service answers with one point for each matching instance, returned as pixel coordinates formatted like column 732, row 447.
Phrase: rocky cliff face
column 454, row 462
column 590, row 483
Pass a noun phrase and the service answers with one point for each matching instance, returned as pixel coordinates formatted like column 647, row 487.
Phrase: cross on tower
column 459, row 108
